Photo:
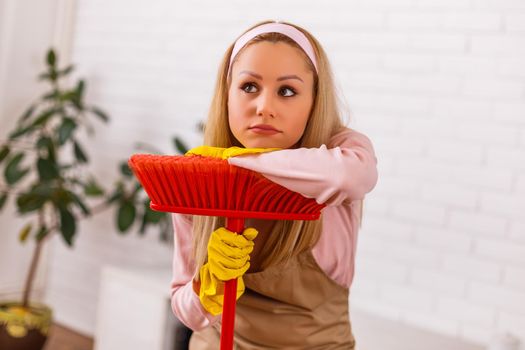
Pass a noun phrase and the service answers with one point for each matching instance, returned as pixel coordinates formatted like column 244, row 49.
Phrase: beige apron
column 290, row 306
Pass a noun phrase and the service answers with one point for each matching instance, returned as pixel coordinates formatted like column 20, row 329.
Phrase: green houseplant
column 45, row 171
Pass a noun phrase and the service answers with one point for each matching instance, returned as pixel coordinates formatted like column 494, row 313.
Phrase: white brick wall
column 439, row 87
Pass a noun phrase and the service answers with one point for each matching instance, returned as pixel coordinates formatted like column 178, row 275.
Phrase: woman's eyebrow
column 284, row 77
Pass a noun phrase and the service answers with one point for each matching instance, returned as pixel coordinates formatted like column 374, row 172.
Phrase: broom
column 201, row 185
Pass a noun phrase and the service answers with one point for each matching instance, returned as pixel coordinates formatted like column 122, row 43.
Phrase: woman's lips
column 264, row 129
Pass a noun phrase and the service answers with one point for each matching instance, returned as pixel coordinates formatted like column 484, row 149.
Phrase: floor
column 62, row 338
column 372, row 333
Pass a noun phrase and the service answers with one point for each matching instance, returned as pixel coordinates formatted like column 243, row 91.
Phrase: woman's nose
column 266, row 105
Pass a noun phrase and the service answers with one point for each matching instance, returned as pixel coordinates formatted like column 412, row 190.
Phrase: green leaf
column 12, row 172
column 47, row 170
column 67, row 225
column 29, row 111
column 80, row 204
column 125, row 170
column 150, row 216
column 80, row 89
column 43, row 142
column 3, row 200
column 19, row 132
column 65, row 130
column 24, row 232
column 47, row 143
column 51, row 57
column 28, row 202
column 93, row 189
column 69, row 95
column 42, row 233
column 180, row 146
column 51, row 95
column 44, row 117
column 4, row 152
column 66, row 70
column 80, row 155
column 126, row 215
column 138, row 187
column 100, row 114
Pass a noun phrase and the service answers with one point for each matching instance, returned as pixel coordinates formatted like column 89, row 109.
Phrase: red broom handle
column 230, row 293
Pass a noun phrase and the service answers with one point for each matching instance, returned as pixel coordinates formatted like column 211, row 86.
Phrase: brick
column 454, row 152
column 437, row 282
column 494, row 88
column 382, row 270
column 406, row 298
column 412, row 63
column 504, row 205
column 374, row 205
column 509, row 112
column 416, row 211
column 498, row 5
column 466, row 311
column 429, row 42
column 472, row 268
column 500, row 250
column 476, row 222
column 510, row 67
column 398, row 146
column 515, row 22
column 390, row 229
column 460, row 109
column 422, row 169
column 431, row 321
column 413, row 20
column 369, row 244
column 375, row 306
column 513, row 323
column 443, row 4
column 450, row 195
column 442, row 240
column 472, row 21
column 498, row 296
column 476, row 334
column 512, row 158
column 515, row 277
column 517, row 231
column 411, row 255
column 390, row 103
column 482, row 178
column 463, row 65
column 398, row 186
column 497, row 45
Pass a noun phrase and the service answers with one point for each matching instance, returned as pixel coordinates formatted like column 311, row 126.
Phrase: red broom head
column 201, row 185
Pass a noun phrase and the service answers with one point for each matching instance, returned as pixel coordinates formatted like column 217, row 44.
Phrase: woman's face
column 272, row 88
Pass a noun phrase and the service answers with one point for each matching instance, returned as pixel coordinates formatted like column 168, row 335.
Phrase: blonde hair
column 287, row 238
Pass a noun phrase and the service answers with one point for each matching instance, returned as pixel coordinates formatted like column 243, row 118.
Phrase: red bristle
column 208, row 186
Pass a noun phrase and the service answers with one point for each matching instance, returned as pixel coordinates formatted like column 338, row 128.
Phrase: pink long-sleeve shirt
column 338, row 175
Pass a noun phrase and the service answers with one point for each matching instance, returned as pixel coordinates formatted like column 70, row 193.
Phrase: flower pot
column 24, row 328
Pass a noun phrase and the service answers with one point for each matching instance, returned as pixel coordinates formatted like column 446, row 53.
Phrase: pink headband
column 288, row 30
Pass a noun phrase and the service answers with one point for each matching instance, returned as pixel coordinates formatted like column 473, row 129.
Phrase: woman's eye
column 289, row 89
column 245, row 86
column 284, row 91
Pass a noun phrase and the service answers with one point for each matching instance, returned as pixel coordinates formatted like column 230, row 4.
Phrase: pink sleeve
column 333, row 175
column 184, row 302
column 338, row 176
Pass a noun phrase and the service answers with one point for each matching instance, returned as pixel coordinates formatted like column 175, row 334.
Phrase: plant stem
column 30, row 276
column 28, row 287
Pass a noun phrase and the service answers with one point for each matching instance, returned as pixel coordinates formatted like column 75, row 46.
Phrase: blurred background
column 437, row 85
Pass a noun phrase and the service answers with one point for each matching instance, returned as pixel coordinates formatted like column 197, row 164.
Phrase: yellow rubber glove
column 225, row 153
column 228, row 258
